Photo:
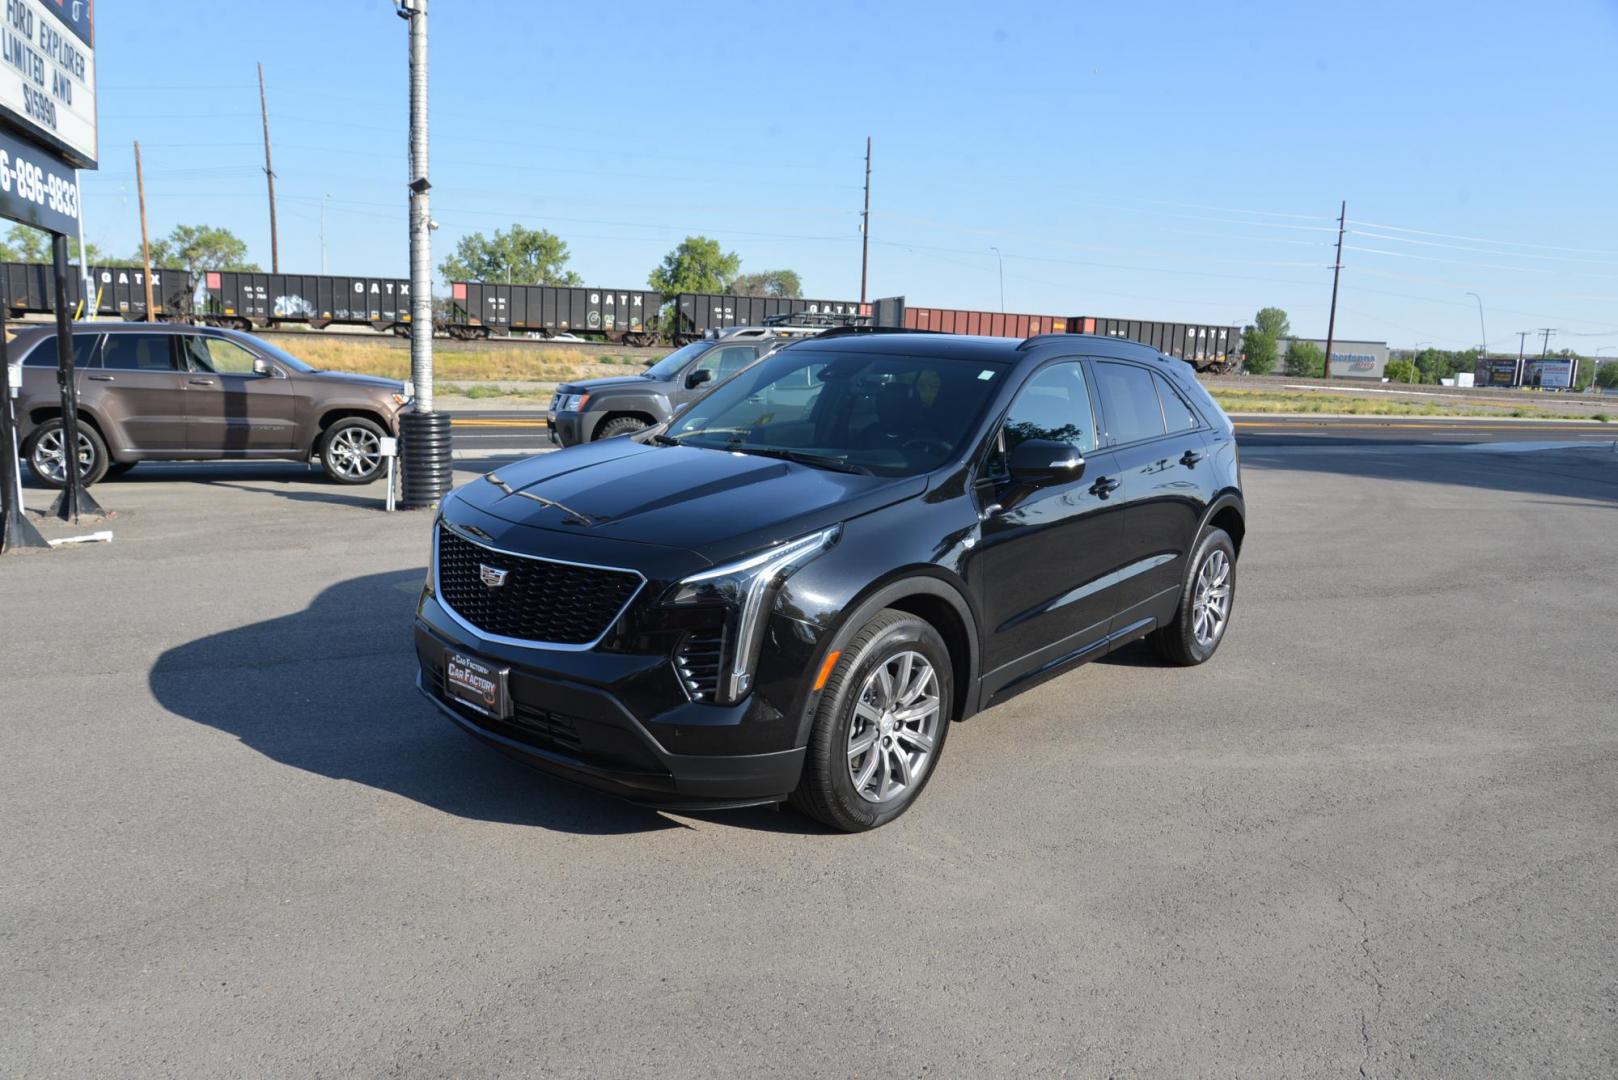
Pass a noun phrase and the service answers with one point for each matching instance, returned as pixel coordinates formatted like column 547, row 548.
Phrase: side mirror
column 648, row 363
column 261, row 366
column 1042, row 462
column 698, row 377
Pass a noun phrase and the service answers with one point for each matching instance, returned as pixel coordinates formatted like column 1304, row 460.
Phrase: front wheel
column 621, row 425
column 351, row 451
column 880, row 725
column 1206, row 599
column 47, row 461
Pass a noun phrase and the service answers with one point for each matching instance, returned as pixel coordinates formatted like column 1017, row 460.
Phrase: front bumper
column 565, row 428
column 587, row 735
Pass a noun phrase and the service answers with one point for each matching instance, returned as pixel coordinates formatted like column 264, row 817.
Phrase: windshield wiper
column 665, row 440
column 819, row 461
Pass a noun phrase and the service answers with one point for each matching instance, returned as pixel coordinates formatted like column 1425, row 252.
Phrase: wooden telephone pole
column 865, row 222
column 1336, row 271
column 269, row 173
column 145, row 239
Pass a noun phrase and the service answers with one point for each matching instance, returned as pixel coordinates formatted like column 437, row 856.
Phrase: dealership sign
column 48, row 75
column 36, row 188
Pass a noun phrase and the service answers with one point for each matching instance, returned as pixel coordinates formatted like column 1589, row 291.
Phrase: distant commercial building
column 1350, row 359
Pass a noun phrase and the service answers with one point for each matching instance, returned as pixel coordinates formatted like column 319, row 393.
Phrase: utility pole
column 1336, row 272
column 426, row 434
column 269, row 173
column 145, row 239
column 1545, row 349
column 323, row 199
column 865, row 222
column 1000, row 259
column 1522, row 350
column 84, row 257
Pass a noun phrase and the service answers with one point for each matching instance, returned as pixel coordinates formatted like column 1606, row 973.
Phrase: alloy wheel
column 894, row 728
column 355, row 452
column 48, row 456
column 1210, row 603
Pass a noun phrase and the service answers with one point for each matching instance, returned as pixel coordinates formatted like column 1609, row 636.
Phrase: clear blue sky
column 1172, row 161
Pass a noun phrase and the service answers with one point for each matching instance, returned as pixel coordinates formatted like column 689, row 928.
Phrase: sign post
column 47, row 133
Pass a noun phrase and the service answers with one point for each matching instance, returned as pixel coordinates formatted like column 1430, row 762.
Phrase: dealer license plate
column 477, row 684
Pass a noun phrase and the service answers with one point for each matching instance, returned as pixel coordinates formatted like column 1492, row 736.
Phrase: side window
column 1176, row 413
column 217, row 355
column 138, row 352
column 727, row 361
column 1129, row 402
column 84, row 352
column 1054, row 404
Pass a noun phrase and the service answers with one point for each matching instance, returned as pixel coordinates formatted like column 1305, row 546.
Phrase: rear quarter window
column 44, row 353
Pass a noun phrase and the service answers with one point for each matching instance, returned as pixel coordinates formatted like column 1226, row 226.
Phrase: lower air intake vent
column 698, row 663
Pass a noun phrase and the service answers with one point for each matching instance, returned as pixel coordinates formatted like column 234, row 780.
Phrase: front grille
column 698, row 663
column 545, row 602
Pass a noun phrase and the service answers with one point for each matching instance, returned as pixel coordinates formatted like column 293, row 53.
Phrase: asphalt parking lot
column 1375, row 836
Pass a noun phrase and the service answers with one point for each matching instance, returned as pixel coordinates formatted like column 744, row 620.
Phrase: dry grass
column 1264, row 401
column 463, row 363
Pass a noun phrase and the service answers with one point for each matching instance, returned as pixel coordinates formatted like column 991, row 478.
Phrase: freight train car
column 989, row 323
column 1210, row 349
column 253, row 301
column 120, row 291
column 624, row 316
column 695, row 314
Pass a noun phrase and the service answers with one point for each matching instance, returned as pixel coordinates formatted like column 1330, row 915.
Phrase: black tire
column 343, row 463
column 89, row 471
column 621, row 425
column 1178, row 641
column 826, row 790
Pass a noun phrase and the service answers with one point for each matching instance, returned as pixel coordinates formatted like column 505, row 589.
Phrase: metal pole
column 1483, row 347
column 145, row 240
column 1336, row 271
column 74, row 500
column 865, row 223
column 16, row 531
column 323, row 267
column 1414, row 370
column 1002, row 261
column 427, row 460
column 269, row 173
column 84, row 256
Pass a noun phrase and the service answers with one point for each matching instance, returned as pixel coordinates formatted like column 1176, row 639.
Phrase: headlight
column 571, row 402
column 744, row 588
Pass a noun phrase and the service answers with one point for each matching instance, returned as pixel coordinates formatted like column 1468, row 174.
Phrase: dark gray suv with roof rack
column 587, row 410
column 796, row 587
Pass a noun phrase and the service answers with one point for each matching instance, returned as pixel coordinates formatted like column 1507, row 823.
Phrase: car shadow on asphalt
column 331, row 690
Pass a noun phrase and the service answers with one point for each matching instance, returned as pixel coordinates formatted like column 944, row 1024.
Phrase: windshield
column 891, row 415
column 282, row 355
column 670, row 365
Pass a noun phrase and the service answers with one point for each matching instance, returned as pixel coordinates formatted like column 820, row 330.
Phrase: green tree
column 1305, row 358
column 768, row 283
column 521, row 256
column 1261, row 340
column 1258, row 351
column 198, row 248
column 24, row 243
column 1401, row 371
column 1273, row 321
column 1607, row 375
column 698, row 265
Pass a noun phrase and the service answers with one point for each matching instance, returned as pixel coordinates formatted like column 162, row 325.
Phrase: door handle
column 201, row 382
column 99, row 378
column 1105, row 486
column 1190, row 458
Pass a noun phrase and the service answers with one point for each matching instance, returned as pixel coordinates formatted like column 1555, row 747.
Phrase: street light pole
column 1002, row 261
column 428, row 469
column 1483, row 344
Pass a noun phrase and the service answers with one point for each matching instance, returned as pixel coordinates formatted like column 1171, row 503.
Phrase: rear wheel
column 1206, row 600
column 351, row 450
column 621, row 425
column 880, row 725
column 47, row 461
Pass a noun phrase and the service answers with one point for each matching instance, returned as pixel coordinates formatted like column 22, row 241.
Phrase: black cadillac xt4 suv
column 791, row 590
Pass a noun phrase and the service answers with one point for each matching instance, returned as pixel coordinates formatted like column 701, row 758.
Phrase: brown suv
column 177, row 393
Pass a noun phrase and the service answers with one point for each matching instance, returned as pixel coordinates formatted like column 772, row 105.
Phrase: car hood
column 715, row 503
column 592, row 386
column 349, row 378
